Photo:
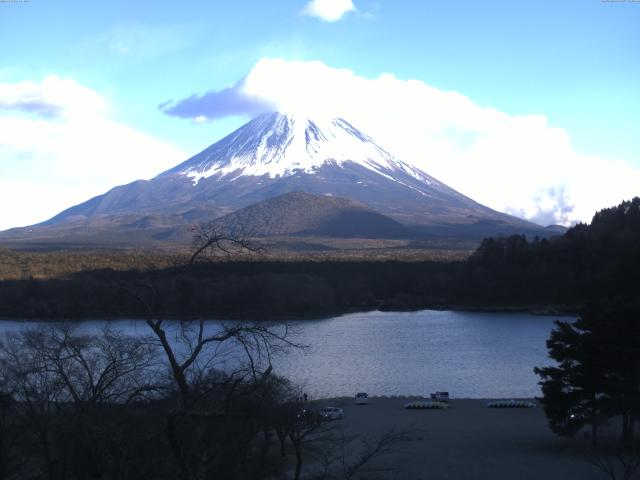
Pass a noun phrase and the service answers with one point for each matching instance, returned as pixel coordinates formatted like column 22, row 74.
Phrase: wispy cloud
column 328, row 10
column 32, row 106
column 515, row 163
column 143, row 40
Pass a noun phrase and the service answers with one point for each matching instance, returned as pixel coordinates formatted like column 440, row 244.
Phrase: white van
column 440, row 396
column 362, row 398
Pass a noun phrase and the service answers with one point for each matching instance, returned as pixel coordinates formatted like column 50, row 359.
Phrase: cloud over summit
column 514, row 163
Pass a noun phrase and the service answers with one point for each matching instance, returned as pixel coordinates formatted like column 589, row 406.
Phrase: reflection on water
column 475, row 355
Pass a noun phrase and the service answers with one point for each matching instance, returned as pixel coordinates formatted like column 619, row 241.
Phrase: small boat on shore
column 425, row 405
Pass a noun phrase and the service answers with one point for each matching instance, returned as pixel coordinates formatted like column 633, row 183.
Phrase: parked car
column 362, row 398
column 331, row 413
column 579, row 414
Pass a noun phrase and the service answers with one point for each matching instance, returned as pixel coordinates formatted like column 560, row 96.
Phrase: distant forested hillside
column 600, row 261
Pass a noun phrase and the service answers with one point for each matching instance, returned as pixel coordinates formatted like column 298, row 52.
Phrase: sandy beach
column 468, row 441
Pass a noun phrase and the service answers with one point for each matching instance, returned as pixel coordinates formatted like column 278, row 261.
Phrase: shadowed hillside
column 306, row 214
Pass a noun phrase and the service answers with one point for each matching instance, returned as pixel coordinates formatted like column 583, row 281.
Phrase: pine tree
column 597, row 376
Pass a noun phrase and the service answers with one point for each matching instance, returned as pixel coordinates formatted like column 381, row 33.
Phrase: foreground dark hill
column 272, row 155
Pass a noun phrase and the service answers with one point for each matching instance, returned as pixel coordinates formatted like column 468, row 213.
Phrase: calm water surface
column 473, row 355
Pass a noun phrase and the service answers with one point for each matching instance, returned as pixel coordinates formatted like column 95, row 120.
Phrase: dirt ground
column 468, row 441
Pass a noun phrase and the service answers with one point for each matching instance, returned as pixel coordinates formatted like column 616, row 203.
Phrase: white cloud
column 328, row 10
column 52, row 97
column 514, row 163
column 58, row 147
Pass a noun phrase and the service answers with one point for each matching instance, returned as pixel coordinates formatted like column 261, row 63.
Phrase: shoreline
column 542, row 311
column 409, row 397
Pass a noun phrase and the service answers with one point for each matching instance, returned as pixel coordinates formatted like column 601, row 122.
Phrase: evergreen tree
column 573, row 390
column 598, row 370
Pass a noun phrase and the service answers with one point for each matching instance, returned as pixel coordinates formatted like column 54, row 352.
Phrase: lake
column 469, row 354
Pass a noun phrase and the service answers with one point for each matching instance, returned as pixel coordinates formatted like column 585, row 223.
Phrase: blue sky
column 577, row 63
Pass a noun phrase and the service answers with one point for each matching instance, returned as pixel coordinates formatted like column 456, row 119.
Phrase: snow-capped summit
column 278, row 153
column 283, row 144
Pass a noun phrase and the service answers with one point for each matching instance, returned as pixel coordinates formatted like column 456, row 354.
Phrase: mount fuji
column 275, row 154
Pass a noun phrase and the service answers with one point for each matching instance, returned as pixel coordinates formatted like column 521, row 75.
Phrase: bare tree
column 70, row 389
column 284, row 419
column 195, row 349
column 334, row 455
column 307, row 429
column 257, row 341
column 347, row 457
column 11, row 436
column 241, row 352
column 213, row 239
column 38, row 394
column 249, row 346
column 108, row 368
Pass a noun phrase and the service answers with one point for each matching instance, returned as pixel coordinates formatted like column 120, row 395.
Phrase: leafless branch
column 213, row 238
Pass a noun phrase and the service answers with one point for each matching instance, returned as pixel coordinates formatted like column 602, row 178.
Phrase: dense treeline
column 274, row 289
column 589, row 262
column 601, row 260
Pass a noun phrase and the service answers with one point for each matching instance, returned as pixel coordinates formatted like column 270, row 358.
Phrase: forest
column 589, row 262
